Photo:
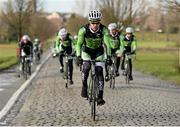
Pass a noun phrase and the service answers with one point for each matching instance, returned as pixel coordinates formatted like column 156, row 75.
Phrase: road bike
column 68, row 62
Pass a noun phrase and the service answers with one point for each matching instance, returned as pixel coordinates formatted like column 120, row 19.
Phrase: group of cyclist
column 28, row 48
column 96, row 42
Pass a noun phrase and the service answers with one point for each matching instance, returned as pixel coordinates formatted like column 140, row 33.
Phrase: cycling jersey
column 115, row 43
column 61, row 44
column 91, row 43
column 26, row 47
column 128, row 44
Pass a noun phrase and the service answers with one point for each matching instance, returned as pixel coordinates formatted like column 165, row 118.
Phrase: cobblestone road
column 146, row 101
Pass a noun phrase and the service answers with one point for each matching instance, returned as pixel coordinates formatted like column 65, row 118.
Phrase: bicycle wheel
column 29, row 68
column 90, row 95
column 113, row 76
column 127, row 72
column 94, row 96
column 66, row 75
column 113, row 81
column 26, row 70
column 110, row 77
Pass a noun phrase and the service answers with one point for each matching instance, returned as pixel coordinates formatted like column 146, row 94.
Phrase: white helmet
column 75, row 37
column 112, row 26
column 129, row 30
column 94, row 16
column 36, row 40
column 26, row 38
column 62, row 33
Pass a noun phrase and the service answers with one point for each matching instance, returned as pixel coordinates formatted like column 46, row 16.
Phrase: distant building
column 56, row 19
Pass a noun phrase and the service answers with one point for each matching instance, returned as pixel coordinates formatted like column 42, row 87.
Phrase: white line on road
column 16, row 95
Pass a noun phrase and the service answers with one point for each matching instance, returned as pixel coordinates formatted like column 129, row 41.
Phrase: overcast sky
column 68, row 5
column 62, row 5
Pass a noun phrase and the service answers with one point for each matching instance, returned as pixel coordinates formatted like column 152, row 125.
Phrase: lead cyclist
column 91, row 38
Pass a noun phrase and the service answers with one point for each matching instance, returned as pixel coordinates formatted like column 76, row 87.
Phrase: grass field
column 158, row 37
column 7, row 55
column 159, row 58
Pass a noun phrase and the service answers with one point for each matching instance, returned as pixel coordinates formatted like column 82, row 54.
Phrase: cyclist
column 91, row 38
column 129, row 45
column 26, row 48
column 114, row 41
column 37, row 47
column 64, row 44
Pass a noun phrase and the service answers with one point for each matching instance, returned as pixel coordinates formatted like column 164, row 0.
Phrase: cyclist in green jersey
column 128, row 45
column 92, row 38
column 64, row 44
column 114, row 42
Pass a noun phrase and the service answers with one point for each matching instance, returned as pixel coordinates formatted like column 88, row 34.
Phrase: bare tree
column 172, row 18
column 124, row 10
column 17, row 14
column 173, row 5
column 75, row 22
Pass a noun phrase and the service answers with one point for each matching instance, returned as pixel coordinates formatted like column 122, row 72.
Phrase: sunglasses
column 94, row 22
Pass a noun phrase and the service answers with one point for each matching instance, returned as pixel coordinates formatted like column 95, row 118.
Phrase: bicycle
column 128, row 56
column 68, row 58
column 37, row 54
column 93, row 89
column 26, row 66
column 112, row 70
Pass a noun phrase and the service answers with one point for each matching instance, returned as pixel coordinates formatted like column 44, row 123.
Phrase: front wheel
column 127, row 72
column 66, row 85
column 94, row 97
column 66, row 75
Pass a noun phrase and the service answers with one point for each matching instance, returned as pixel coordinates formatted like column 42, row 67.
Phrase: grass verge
column 7, row 55
column 160, row 64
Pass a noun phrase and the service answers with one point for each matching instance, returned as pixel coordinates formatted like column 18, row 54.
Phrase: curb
column 17, row 94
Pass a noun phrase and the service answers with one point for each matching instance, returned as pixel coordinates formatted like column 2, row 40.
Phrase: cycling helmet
column 112, row 26
column 75, row 37
column 25, row 38
column 62, row 33
column 36, row 40
column 129, row 30
column 95, row 16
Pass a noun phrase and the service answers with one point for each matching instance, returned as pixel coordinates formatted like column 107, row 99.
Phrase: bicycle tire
column 91, row 86
column 110, row 77
column 113, row 82
column 94, row 99
column 113, row 76
column 127, row 73
column 66, row 75
column 110, row 82
column 29, row 68
column 26, row 70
